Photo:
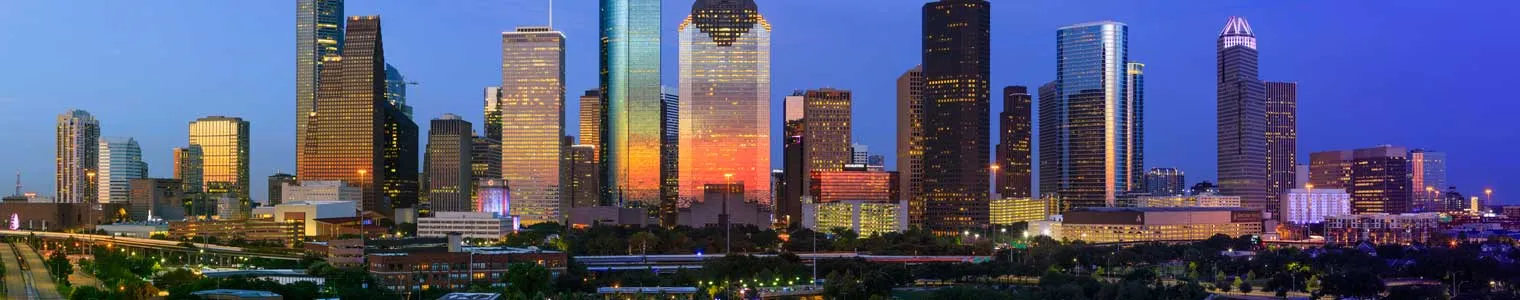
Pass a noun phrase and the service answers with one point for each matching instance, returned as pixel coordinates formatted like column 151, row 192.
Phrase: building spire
column 1237, row 26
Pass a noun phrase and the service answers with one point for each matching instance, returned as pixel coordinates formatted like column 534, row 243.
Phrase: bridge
column 212, row 250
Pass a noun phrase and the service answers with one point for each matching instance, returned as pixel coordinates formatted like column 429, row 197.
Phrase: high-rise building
column 155, row 197
column 1282, row 139
column 1165, row 182
column 1014, row 155
column 78, row 149
column 670, row 151
column 276, row 185
column 1085, row 149
column 725, row 78
column 224, row 154
column 591, row 119
column 1134, row 127
column 793, row 173
column 629, row 144
column 957, row 60
column 859, row 154
column 1242, row 121
column 582, row 189
column 319, row 34
column 1330, row 169
column 1380, row 180
column 395, row 89
column 533, row 101
column 450, row 153
column 910, row 141
column 120, row 163
column 826, row 130
column 1428, row 176
column 485, row 163
column 492, row 126
column 347, row 130
column 399, row 160
column 835, row 186
column 188, row 168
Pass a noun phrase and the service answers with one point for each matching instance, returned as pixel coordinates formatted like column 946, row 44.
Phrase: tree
column 58, row 265
column 643, row 240
column 177, row 277
column 528, row 280
column 1245, row 287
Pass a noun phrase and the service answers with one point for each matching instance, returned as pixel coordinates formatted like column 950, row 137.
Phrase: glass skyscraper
column 1089, row 122
column 223, row 142
column 319, row 33
column 1428, row 175
column 670, row 151
column 120, row 162
column 533, row 110
column 630, row 142
column 77, row 159
column 1242, row 121
column 395, row 89
column 725, row 83
column 349, row 129
column 1134, row 127
column 188, row 164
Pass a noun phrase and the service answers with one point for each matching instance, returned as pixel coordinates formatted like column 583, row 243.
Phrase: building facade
column 156, row 198
column 910, row 141
column 1084, row 153
column 1330, row 169
column 1124, row 225
column 1242, row 121
column 473, row 225
column 670, row 151
column 1282, row 137
column 1381, row 228
column 1165, row 182
column 1014, row 158
column 591, row 120
column 346, row 132
column 1188, row 201
column 794, row 174
column 493, row 196
column 1133, row 106
column 189, row 164
column 826, row 130
column 456, row 269
column 120, row 163
column 1380, row 181
column 957, row 71
column 833, row 186
column 395, row 90
column 1006, row 211
column 276, row 185
column 320, row 191
column 319, row 34
column 630, row 144
column 1311, row 206
column 725, row 64
column 585, row 186
column 306, row 213
column 78, row 150
column 449, row 164
column 866, row 218
column 533, row 92
column 224, row 155
column 1427, row 178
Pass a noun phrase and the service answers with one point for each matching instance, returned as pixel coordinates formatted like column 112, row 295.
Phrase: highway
column 15, row 278
column 152, row 244
column 40, row 280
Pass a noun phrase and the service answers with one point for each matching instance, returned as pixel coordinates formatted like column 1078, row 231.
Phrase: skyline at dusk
column 1408, row 74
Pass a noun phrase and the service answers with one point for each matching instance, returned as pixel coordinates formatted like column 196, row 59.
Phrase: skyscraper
column 794, row 175
column 1015, row 130
column 120, row 163
column 1330, row 169
column 485, row 163
column 670, row 151
column 1380, row 180
column 1134, row 127
column 1242, row 121
column 347, row 132
column 1086, row 120
column 276, row 184
column 188, row 168
column 1428, row 177
column 492, row 127
column 910, row 141
column 78, row 149
column 319, row 33
column 630, row 148
column 725, row 78
column 395, row 90
column 1282, row 139
column 224, row 154
column 1165, row 182
column 591, row 119
column 402, row 184
column 450, row 151
column 533, row 102
column 957, row 67
column 826, row 130
column 581, row 190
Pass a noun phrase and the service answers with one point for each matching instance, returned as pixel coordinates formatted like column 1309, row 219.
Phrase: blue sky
column 1421, row 74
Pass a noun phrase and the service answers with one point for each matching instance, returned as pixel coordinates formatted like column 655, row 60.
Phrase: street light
column 1488, row 195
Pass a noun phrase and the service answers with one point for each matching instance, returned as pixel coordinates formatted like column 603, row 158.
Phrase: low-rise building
column 720, row 204
column 228, row 294
column 863, row 217
column 474, row 225
column 1206, row 200
column 282, row 276
column 135, row 230
column 1130, row 224
column 455, row 267
column 320, row 191
column 1311, row 206
column 306, row 212
column 581, row 217
column 1381, row 228
column 342, row 253
column 252, row 230
column 1007, row 211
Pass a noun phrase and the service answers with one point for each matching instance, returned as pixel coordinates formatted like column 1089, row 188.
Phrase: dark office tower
column 794, row 171
column 826, row 119
column 1165, row 182
column 957, row 59
column 319, row 33
column 450, row 152
column 1086, row 122
column 1282, row 139
column 1134, row 127
column 1014, row 148
column 1242, row 121
column 1330, row 169
column 1380, row 180
column 670, row 151
column 630, row 101
column 402, row 181
column 350, row 128
column 485, row 163
column 276, row 183
column 591, row 119
column 582, row 169
column 910, row 142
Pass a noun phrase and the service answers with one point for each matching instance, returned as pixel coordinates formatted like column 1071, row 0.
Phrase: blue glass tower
column 1085, row 160
column 631, row 145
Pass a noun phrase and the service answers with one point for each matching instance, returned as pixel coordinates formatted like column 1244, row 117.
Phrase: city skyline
column 270, row 142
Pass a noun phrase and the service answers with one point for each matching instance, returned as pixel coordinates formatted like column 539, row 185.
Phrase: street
column 15, row 281
column 40, row 280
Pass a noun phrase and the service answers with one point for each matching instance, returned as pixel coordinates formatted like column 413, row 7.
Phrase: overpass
column 665, row 263
column 162, row 245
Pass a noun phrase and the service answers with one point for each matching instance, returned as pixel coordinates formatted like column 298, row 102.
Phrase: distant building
column 1203, row 188
column 319, row 191
column 910, row 141
column 60, row 216
column 450, row 156
column 276, row 187
column 584, row 186
column 77, row 157
column 189, row 165
column 224, row 145
column 120, row 163
column 1205, row 200
column 533, row 103
column 160, row 198
column 1311, row 206
column 609, row 216
column 1007, row 211
column 494, row 196
column 1379, row 228
column 228, row 294
column 1380, row 180
column 1282, row 138
column 306, row 213
column 1088, row 153
column 1427, row 178
column 725, row 204
column 830, row 186
column 866, row 218
column 407, row 271
column 1330, row 169
column 474, row 225
column 252, row 230
column 134, row 230
column 1165, row 182
column 1014, row 154
column 1114, row 224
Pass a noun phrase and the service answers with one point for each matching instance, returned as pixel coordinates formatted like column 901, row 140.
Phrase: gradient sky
column 1421, row 74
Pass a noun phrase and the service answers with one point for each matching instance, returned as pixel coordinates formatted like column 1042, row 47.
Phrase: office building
column 250, row 230
column 1085, row 118
column 276, row 185
column 156, row 198
column 583, row 188
column 630, row 143
column 1311, row 206
column 189, row 165
column 472, row 225
column 1014, row 159
column 1380, row 180
column 224, row 155
column 409, row 270
column 833, row 186
column 1133, row 108
column 826, row 130
column 533, row 92
column 794, row 175
column 78, row 149
column 348, row 129
column 1330, row 169
column 866, row 218
column 1125, row 224
column 402, row 184
column 306, row 213
column 670, row 151
column 1454, row 200
column 722, row 204
column 725, row 83
column 319, row 34
column 910, row 141
column 120, row 162
column 449, row 164
column 1282, row 138
column 1165, row 182
column 1381, row 228
column 591, row 119
column 1006, row 211
column 1206, row 200
column 957, row 70
column 1242, row 121
column 1427, row 177
column 859, row 154
column 395, row 90
column 304, row 191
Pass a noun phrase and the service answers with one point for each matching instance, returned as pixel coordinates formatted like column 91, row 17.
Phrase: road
column 46, row 288
column 15, row 279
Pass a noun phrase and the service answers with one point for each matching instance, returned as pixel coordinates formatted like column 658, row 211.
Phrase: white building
column 475, row 225
column 307, row 212
column 1188, row 201
column 1311, row 206
column 319, row 191
column 864, row 217
column 135, row 230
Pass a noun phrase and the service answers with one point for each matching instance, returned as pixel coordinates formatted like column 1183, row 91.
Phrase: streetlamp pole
column 728, row 225
column 1488, row 194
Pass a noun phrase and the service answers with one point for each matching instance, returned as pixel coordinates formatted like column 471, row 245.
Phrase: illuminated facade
column 1381, row 228
column 346, row 134
column 449, row 155
column 957, row 113
column 792, row 185
column 1006, row 211
column 1133, row 174
column 493, row 196
column 1330, row 169
column 1380, row 180
column 1242, row 121
column 832, row 186
column 532, row 102
column 276, row 187
column 120, row 163
column 725, row 83
column 866, row 218
column 1084, row 152
column 492, row 126
column 1014, row 148
column 910, row 141
column 319, row 33
column 826, row 130
column 630, row 142
column 1188, row 201
column 1282, row 139
column 188, row 166
column 582, row 189
column 1311, row 206
column 591, row 120
column 78, row 151
column 670, row 151
column 1165, row 182
column 399, row 160
column 1428, row 177
column 395, row 90
column 1123, row 225
column 224, row 158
